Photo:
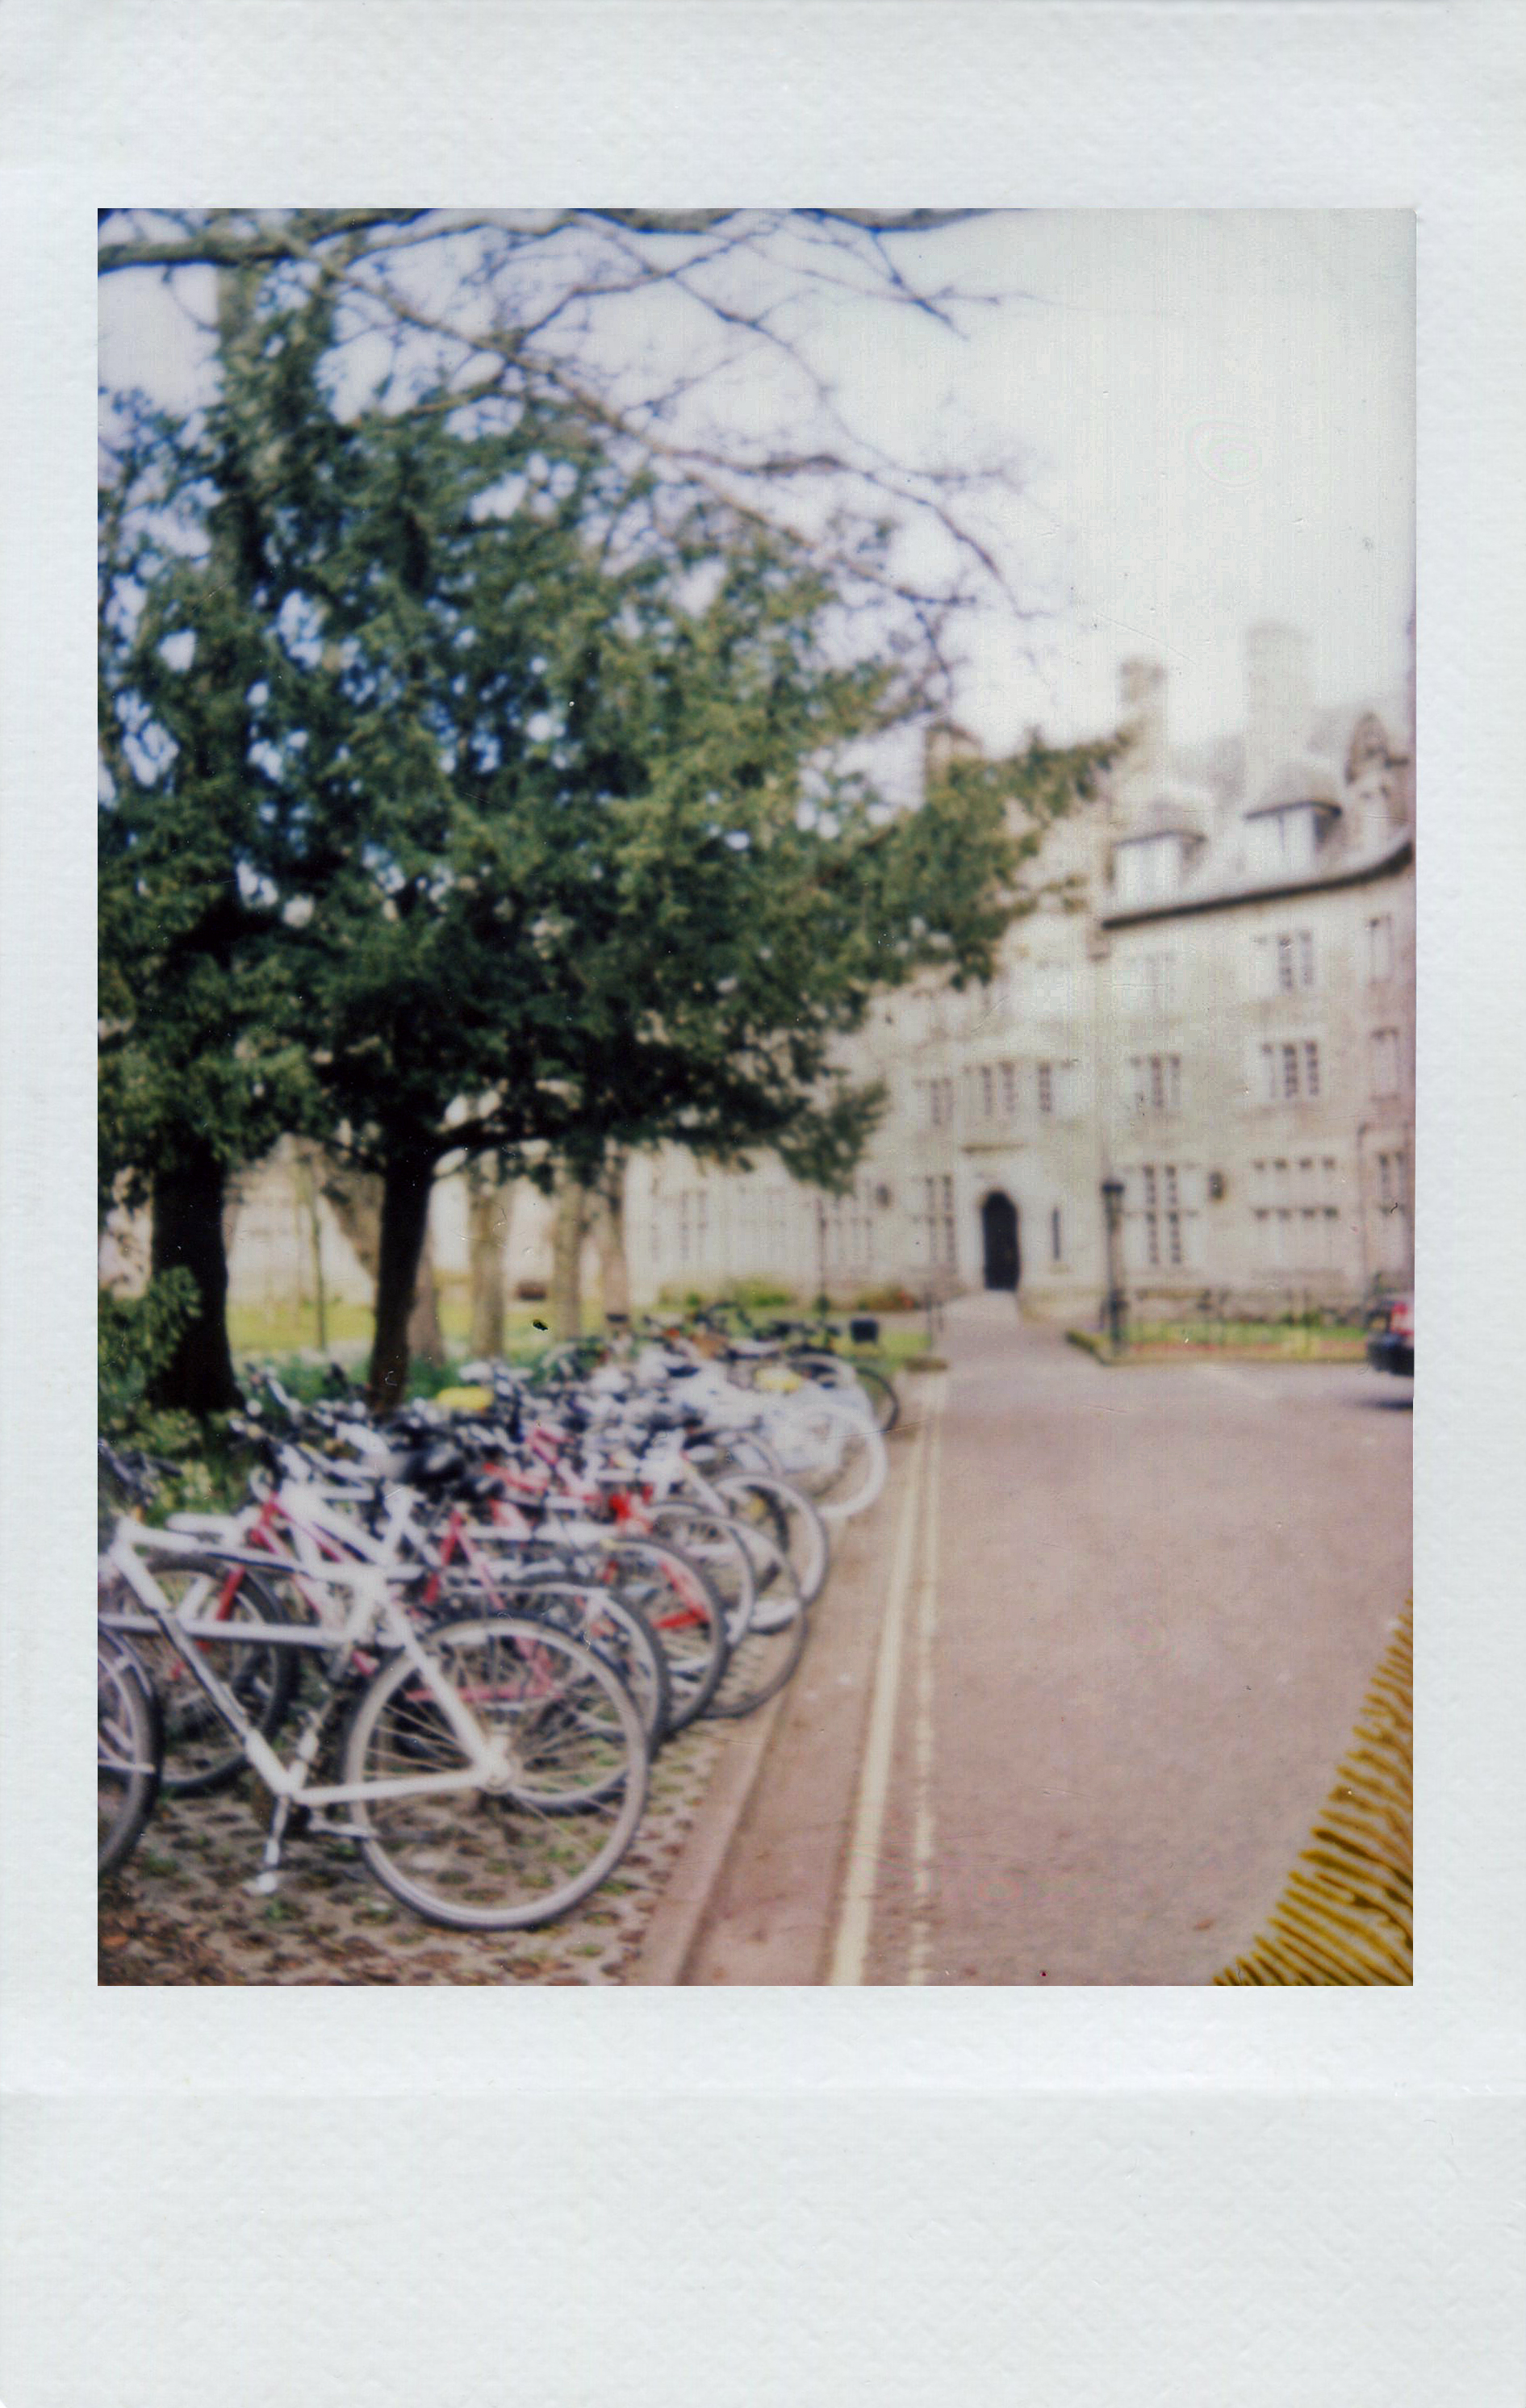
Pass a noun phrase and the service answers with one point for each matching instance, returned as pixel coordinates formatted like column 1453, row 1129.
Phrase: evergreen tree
column 515, row 786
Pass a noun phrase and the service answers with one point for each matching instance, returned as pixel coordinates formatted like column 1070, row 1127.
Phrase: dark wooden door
column 999, row 1232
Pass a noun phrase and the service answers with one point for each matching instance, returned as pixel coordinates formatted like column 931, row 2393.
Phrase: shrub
column 134, row 1338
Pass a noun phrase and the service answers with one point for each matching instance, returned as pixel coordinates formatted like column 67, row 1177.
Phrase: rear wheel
column 500, row 1860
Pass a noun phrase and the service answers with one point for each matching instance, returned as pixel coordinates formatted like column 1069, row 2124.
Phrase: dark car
column 1390, row 1337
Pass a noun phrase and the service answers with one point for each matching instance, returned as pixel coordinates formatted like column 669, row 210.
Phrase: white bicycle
column 492, row 1771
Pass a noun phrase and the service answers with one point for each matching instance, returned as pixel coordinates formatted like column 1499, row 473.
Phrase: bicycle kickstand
column 267, row 1880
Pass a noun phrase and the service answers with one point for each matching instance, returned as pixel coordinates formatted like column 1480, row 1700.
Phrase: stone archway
column 1003, row 1260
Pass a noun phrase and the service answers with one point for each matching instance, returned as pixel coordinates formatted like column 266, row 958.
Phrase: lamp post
column 1117, row 1306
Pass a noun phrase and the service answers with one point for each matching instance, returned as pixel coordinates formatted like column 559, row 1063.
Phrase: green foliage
column 135, row 1337
column 758, row 1295
column 202, row 1466
column 467, row 790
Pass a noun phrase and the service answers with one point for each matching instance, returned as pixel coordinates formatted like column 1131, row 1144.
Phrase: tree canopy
column 474, row 785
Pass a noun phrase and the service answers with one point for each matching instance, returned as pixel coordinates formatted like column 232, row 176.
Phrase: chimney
column 942, row 745
column 1141, row 708
column 1279, row 702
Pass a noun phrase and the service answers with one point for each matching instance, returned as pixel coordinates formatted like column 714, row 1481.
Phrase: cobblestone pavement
column 180, row 1911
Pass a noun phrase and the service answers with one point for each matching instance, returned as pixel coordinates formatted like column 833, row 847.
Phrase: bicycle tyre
column 790, row 1517
column 685, row 1611
column 202, row 1754
column 129, row 1751
column 612, row 1624
column 482, row 1861
column 767, row 1653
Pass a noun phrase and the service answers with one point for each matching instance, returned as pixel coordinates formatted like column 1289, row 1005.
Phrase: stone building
column 1217, row 1010
column 1220, row 1012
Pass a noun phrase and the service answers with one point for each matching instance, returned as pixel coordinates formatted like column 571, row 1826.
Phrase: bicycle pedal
column 337, row 1830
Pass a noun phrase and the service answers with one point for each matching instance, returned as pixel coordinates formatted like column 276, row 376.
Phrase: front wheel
column 504, row 1860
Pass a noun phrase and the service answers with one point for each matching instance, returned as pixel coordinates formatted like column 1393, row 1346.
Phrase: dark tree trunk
column 405, row 1216
column 188, row 1236
column 426, row 1337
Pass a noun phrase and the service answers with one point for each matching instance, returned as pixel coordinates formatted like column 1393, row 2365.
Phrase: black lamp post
column 1116, row 1302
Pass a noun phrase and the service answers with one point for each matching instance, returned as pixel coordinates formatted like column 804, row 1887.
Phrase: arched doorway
column 998, row 1235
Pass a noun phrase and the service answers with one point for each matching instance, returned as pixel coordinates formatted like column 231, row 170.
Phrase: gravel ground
column 181, row 1912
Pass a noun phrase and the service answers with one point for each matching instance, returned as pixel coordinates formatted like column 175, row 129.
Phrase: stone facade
column 1220, row 1014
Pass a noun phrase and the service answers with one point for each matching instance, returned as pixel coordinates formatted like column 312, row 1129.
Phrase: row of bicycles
column 455, row 1639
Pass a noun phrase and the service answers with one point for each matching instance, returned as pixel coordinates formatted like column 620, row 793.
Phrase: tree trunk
column 614, row 1267
column 188, row 1236
column 426, row 1337
column 568, row 1229
column 490, row 1205
column 405, row 1217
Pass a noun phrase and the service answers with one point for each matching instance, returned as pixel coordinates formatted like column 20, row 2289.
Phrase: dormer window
column 1285, row 842
column 1149, row 868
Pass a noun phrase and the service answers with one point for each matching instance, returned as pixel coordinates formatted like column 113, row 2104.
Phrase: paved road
column 1068, row 1719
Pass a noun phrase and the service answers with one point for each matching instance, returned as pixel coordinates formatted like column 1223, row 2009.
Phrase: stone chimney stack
column 1279, row 701
column 943, row 744
column 1142, row 712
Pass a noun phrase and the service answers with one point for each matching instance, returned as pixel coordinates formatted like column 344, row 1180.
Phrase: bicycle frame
column 373, row 1613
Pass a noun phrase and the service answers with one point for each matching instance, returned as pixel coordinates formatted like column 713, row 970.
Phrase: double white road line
column 910, row 1561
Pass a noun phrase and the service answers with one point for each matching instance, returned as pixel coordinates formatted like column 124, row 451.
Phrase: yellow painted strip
column 1345, row 1912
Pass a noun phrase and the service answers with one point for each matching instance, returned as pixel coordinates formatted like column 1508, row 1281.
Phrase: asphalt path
column 1072, row 1705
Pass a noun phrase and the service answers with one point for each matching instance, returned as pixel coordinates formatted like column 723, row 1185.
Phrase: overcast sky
column 1214, row 414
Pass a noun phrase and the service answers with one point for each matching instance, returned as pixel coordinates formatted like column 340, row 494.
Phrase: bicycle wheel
column 605, row 1619
column 832, row 1448
column 202, row 1754
column 779, row 1509
column 129, row 1750
column 766, row 1654
column 683, row 1611
column 513, row 1857
column 880, row 1389
column 712, row 1542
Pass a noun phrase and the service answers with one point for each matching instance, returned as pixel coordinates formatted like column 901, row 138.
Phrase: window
column 1380, row 947
column 1290, row 1071
column 1054, row 989
column 1283, row 963
column 987, row 1092
column 935, row 1102
column 1056, row 1251
column 1160, row 1192
column 1008, row 1087
column 1157, row 1082
column 1046, row 1086
column 1284, row 840
column 1383, row 1048
column 1147, row 982
column 938, row 1221
column 1147, row 869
